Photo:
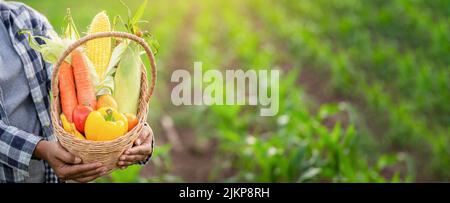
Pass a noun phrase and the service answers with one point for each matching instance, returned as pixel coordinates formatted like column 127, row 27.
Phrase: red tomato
column 132, row 120
column 80, row 113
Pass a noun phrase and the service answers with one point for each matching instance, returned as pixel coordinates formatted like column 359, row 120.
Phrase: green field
column 364, row 89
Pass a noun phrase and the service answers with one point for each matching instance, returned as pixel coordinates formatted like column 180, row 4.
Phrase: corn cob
column 127, row 80
column 99, row 50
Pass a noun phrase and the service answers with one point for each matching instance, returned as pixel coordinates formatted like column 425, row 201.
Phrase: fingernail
column 120, row 162
column 77, row 160
column 98, row 164
column 127, row 152
column 138, row 142
column 122, row 158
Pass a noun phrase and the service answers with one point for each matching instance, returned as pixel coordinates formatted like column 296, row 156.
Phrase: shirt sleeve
column 16, row 147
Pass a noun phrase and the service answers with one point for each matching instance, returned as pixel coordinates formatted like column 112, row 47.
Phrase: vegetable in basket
column 106, row 100
column 80, row 114
column 127, row 80
column 99, row 50
column 70, row 127
column 105, row 124
column 132, row 120
column 67, row 90
column 85, row 88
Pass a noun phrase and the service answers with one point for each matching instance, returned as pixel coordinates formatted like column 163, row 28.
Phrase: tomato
column 80, row 113
column 132, row 120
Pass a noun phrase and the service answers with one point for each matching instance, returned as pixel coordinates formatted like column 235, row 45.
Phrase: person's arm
column 16, row 147
column 66, row 165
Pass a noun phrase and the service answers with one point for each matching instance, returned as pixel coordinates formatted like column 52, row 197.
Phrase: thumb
column 67, row 157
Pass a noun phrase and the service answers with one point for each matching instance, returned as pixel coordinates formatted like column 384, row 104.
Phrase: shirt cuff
column 23, row 145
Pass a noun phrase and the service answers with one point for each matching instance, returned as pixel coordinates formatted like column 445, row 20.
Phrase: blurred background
column 364, row 89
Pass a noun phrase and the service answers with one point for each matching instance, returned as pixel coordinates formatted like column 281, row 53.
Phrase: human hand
column 141, row 149
column 66, row 165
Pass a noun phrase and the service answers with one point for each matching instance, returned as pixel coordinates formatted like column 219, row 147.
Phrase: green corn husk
column 127, row 80
column 106, row 86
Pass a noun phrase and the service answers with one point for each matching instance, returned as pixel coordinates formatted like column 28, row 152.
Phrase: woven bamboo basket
column 105, row 152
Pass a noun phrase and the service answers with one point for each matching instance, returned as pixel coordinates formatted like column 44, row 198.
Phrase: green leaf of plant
column 71, row 31
column 309, row 174
column 137, row 16
column 105, row 87
column 131, row 174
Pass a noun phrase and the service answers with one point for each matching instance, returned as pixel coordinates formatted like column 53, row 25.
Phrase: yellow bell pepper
column 70, row 127
column 105, row 124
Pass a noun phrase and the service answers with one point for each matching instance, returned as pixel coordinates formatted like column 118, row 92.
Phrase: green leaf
column 71, row 31
column 52, row 49
column 328, row 110
column 309, row 174
column 137, row 16
column 385, row 161
column 128, row 9
column 131, row 174
column 105, row 87
column 151, row 40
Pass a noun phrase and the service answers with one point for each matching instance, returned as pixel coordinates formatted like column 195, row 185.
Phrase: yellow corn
column 99, row 50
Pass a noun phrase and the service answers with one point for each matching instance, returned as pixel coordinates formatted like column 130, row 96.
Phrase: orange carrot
column 67, row 90
column 85, row 89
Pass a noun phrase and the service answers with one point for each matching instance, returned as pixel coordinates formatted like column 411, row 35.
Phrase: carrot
column 67, row 90
column 85, row 88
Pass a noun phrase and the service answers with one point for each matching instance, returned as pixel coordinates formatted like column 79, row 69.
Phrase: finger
column 87, row 179
column 125, row 163
column 138, row 141
column 132, row 158
column 99, row 171
column 142, row 136
column 67, row 157
column 73, row 170
column 144, row 149
column 145, row 134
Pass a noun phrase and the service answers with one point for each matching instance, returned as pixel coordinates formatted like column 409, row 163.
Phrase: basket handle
column 84, row 39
